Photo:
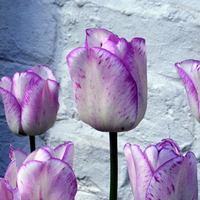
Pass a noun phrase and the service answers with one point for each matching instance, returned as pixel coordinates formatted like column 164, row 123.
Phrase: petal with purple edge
column 140, row 172
column 41, row 154
column 151, row 154
column 43, row 71
column 169, row 144
column 95, row 37
column 188, row 183
column 18, row 155
column 164, row 156
column 136, row 62
column 6, row 83
column 12, row 111
column 21, row 82
column 192, row 69
column 39, row 107
column 11, row 174
column 5, row 190
column 65, row 152
column 170, row 182
column 97, row 72
column 191, row 91
column 50, row 180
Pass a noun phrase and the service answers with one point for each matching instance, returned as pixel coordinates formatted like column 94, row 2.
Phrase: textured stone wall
column 43, row 32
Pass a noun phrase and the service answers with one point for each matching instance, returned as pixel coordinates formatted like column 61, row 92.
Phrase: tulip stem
column 32, row 143
column 113, row 166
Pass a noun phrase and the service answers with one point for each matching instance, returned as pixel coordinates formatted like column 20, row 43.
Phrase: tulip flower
column 44, row 174
column 162, row 172
column 109, row 77
column 188, row 70
column 30, row 100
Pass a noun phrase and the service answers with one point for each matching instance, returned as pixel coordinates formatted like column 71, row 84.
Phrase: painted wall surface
column 43, row 32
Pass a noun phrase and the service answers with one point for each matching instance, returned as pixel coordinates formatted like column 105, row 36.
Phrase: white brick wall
column 44, row 31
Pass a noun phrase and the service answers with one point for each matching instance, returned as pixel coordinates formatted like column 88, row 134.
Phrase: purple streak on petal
column 176, row 179
column 65, row 152
column 163, row 185
column 12, row 111
column 164, row 156
column 188, row 183
column 50, row 180
column 6, row 83
column 189, row 84
column 43, row 71
column 140, row 171
column 95, row 37
column 5, row 190
column 136, row 62
column 106, row 75
column 39, row 107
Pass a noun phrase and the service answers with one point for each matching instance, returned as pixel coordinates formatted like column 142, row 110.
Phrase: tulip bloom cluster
column 162, row 172
column 44, row 174
column 30, row 100
column 109, row 78
column 188, row 71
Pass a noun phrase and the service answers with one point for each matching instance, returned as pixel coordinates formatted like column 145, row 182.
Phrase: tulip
column 30, row 100
column 109, row 77
column 162, row 172
column 44, row 174
column 188, row 70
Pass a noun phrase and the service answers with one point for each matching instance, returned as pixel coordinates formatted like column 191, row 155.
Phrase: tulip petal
column 184, row 69
column 140, row 172
column 95, row 37
column 41, row 154
column 11, row 174
column 12, row 111
column 43, row 71
column 21, row 82
column 136, row 62
column 151, row 154
column 105, row 91
column 169, row 144
column 39, row 107
column 50, row 180
column 17, row 156
column 176, row 179
column 65, row 152
column 164, row 156
column 6, row 83
column 5, row 190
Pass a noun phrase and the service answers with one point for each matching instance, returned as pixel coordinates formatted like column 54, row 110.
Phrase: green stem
column 32, row 143
column 113, row 166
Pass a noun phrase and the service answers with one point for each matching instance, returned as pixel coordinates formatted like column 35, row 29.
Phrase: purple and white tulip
column 189, row 72
column 44, row 174
column 162, row 172
column 30, row 100
column 109, row 78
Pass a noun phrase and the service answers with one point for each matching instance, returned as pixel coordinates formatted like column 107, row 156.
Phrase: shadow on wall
column 28, row 31
column 27, row 38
